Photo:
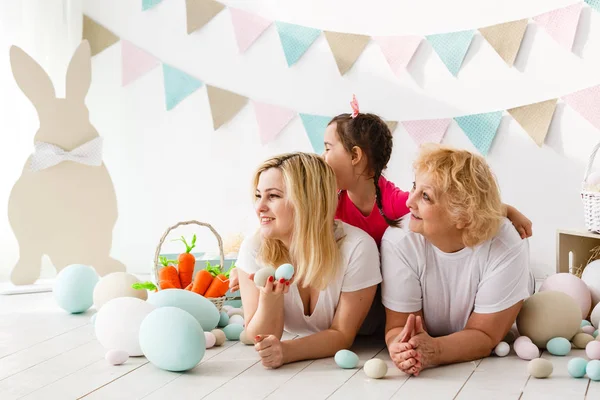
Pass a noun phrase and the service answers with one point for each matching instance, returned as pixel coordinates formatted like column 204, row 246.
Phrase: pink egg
column 521, row 339
column 211, row 339
column 571, row 285
column 589, row 329
column 592, row 350
column 527, row 350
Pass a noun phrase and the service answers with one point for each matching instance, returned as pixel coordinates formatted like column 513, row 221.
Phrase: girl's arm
column 521, row 223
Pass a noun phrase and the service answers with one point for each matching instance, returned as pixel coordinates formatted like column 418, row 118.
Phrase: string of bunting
column 451, row 47
column 481, row 129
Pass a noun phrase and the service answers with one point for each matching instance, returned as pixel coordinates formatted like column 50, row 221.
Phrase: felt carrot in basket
column 219, row 285
column 168, row 278
column 203, row 279
column 187, row 262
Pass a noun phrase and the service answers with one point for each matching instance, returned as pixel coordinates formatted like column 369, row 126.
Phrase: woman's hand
column 270, row 350
column 273, row 287
column 234, row 281
column 402, row 353
column 425, row 346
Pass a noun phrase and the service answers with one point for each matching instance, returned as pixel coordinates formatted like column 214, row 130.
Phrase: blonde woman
column 336, row 265
column 455, row 280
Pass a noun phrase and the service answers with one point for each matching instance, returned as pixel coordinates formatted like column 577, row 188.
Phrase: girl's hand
column 521, row 223
column 270, row 350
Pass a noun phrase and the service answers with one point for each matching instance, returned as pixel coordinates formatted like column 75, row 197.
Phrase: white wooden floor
column 46, row 353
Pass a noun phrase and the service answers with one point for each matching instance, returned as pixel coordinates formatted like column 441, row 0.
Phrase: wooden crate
column 579, row 244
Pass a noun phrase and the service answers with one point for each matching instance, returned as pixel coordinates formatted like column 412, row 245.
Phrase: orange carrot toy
column 203, row 279
column 219, row 285
column 187, row 262
column 168, row 278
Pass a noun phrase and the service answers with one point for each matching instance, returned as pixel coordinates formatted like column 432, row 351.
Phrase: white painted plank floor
column 46, row 353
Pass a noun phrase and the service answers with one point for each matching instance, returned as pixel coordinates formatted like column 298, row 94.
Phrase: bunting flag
column 480, row 129
column 271, row 120
column 595, row 4
column 148, row 4
column 561, row 24
column 200, row 12
column 135, row 62
column 426, row 131
column 295, row 40
column 392, row 125
column 535, row 119
column 98, row 36
column 178, row 85
column 346, row 48
column 398, row 50
column 224, row 105
column 587, row 103
column 506, row 38
column 247, row 27
column 452, row 48
column 315, row 126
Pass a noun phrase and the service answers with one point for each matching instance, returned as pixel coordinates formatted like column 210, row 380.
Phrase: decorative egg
column 226, row 307
column 526, row 350
column 576, row 367
column 74, row 288
column 262, row 275
column 118, row 324
column 346, row 359
column 116, row 357
column 285, row 271
column 521, row 339
column 591, row 276
column 558, row 346
column 375, row 368
column 592, row 350
column 540, row 368
column 502, row 349
column 172, row 339
column 236, row 319
column 201, row 308
column 571, row 285
column 220, row 337
column 581, row 340
column 223, row 319
column 585, row 322
column 232, row 331
column 117, row 284
column 245, row 340
column 592, row 370
column 589, row 329
column 595, row 316
column 235, row 311
column 209, row 339
column 595, row 335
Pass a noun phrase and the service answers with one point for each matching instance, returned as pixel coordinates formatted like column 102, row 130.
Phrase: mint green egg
column 585, row 322
column 201, row 308
column 593, row 370
column 596, row 333
column 285, row 271
column 233, row 331
column 558, row 346
column 223, row 319
column 74, row 288
column 346, row 359
column 576, row 367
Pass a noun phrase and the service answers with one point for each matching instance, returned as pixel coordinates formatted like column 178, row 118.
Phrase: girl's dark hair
column 373, row 136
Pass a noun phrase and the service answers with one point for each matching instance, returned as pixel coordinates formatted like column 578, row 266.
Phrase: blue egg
column 172, row 339
column 346, row 359
column 593, row 370
column 558, row 346
column 576, row 367
column 200, row 307
column 223, row 319
column 74, row 288
column 585, row 322
column 596, row 333
column 285, row 271
column 233, row 331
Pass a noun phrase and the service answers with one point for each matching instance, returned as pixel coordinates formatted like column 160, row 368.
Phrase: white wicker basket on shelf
column 590, row 198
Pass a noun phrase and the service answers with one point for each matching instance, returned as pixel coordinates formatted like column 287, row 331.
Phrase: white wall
column 171, row 166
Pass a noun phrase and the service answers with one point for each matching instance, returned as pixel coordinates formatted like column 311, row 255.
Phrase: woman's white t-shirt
column 360, row 269
column 448, row 287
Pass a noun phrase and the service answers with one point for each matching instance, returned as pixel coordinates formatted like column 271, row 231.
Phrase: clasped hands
column 413, row 350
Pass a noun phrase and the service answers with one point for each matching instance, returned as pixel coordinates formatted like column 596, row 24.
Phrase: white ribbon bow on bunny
column 47, row 155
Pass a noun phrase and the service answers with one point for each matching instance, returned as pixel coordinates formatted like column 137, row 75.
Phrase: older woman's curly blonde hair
column 467, row 187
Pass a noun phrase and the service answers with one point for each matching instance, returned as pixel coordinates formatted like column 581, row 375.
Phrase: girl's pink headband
column 354, row 105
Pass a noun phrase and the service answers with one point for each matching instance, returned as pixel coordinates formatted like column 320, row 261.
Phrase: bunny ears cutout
column 354, row 105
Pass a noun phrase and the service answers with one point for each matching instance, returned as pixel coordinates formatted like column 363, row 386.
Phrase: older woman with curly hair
column 455, row 280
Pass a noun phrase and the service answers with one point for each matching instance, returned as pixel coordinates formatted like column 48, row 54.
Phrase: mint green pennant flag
column 452, row 48
column 295, row 40
column 315, row 128
column 148, row 4
column 481, row 129
column 595, row 4
column 178, row 85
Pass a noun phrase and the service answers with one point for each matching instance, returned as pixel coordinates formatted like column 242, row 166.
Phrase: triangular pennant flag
column 428, row 130
column 148, row 4
column 561, row 24
column 247, row 27
column 587, row 103
column 295, row 40
column 224, row 105
column 178, row 85
column 452, row 48
column 315, row 126
column 481, row 128
column 392, row 125
column 98, row 36
column 595, row 4
column 506, row 38
column 398, row 50
column 200, row 12
column 346, row 48
column 271, row 120
column 135, row 62
column 535, row 119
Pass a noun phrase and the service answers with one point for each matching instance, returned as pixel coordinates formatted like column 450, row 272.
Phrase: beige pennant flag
column 98, row 36
column 535, row 119
column 346, row 48
column 506, row 38
column 200, row 12
column 224, row 105
column 392, row 125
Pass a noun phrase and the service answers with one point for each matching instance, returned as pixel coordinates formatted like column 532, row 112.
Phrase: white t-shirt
column 448, row 287
column 360, row 269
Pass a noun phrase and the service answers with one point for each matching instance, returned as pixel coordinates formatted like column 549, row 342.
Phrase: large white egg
column 118, row 324
column 117, row 284
column 595, row 316
column 591, row 277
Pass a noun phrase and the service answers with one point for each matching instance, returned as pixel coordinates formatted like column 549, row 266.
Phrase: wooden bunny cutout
column 64, row 204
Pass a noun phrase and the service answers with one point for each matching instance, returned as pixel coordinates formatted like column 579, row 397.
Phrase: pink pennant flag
column 247, row 27
column 561, row 24
column 428, row 130
column 135, row 62
column 587, row 103
column 271, row 120
column 398, row 50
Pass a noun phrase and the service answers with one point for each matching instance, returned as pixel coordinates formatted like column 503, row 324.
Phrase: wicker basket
column 591, row 199
column 217, row 301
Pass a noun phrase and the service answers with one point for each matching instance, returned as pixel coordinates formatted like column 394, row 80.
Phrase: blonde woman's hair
column 468, row 187
column 310, row 187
